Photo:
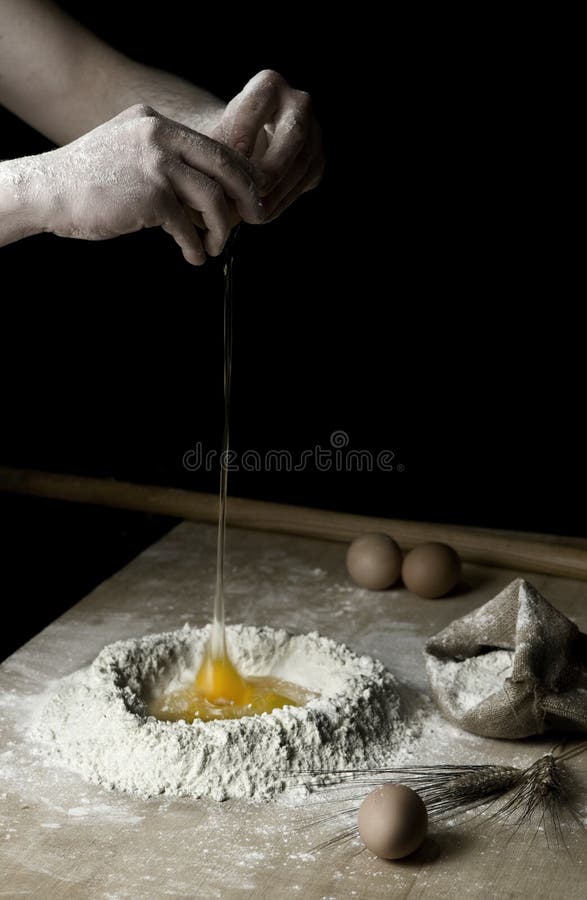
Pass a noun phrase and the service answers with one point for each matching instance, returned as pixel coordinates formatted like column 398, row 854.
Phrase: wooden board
column 63, row 838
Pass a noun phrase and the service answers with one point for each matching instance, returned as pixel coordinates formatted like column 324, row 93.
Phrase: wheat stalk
column 543, row 793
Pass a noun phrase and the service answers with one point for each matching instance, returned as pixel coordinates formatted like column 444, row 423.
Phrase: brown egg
column 374, row 561
column 392, row 821
column 431, row 570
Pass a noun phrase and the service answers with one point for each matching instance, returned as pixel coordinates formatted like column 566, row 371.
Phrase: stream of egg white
column 218, row 635
column 220, row 691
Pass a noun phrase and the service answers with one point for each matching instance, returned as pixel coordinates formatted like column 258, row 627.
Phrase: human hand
column 141, row 170
column 274, row 125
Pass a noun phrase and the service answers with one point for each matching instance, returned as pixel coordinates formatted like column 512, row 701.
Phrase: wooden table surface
column 63, row 838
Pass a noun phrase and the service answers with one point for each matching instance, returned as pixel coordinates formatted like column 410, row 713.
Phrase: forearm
column 186, row 103
column 64, row 81
column 19, row 217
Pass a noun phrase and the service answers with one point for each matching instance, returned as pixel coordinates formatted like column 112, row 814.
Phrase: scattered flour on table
column 469, row 682
column 96, row 722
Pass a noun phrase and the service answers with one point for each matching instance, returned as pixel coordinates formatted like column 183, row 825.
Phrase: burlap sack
column 540, row 684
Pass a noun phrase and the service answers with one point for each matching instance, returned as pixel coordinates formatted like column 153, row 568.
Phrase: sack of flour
column 512, row 668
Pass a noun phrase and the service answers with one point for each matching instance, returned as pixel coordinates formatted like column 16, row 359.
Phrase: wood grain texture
column 65, row 839
column 546, row 554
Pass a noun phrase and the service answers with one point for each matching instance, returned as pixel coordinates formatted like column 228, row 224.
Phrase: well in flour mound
column 96, row 721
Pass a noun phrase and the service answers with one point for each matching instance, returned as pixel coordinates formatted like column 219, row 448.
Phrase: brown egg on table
column 393, row 821
column 431, row 570
column 374, row 561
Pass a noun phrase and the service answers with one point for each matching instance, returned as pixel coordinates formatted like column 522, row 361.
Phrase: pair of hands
column 141, row 170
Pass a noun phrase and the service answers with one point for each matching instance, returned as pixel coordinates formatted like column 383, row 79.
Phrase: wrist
column 23, row 185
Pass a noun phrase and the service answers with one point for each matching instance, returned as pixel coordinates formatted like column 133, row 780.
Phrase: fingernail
column 262, row 210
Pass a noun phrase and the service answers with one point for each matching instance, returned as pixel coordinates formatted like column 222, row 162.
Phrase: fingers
column 205, row 195
column 215, row 214
column 178, row 225
column 228, row 169
column 310, row 181
column 291, row 135
column 288, row 184
column 235, row 218
column 304, row 174
column 274, row 125
column 206, row 177
column 249, row 111
column 209, row 186
column 198, row 219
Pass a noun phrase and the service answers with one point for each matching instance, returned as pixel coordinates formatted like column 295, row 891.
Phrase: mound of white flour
column 96, row 721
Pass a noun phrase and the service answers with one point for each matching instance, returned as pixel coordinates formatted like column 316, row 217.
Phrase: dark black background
column 420, row 301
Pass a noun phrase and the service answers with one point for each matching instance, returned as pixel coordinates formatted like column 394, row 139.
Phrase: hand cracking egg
column 374, row 561
column 392, row 821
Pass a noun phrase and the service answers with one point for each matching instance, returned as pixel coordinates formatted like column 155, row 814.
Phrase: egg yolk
column 220, row 692
column 219, row 682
